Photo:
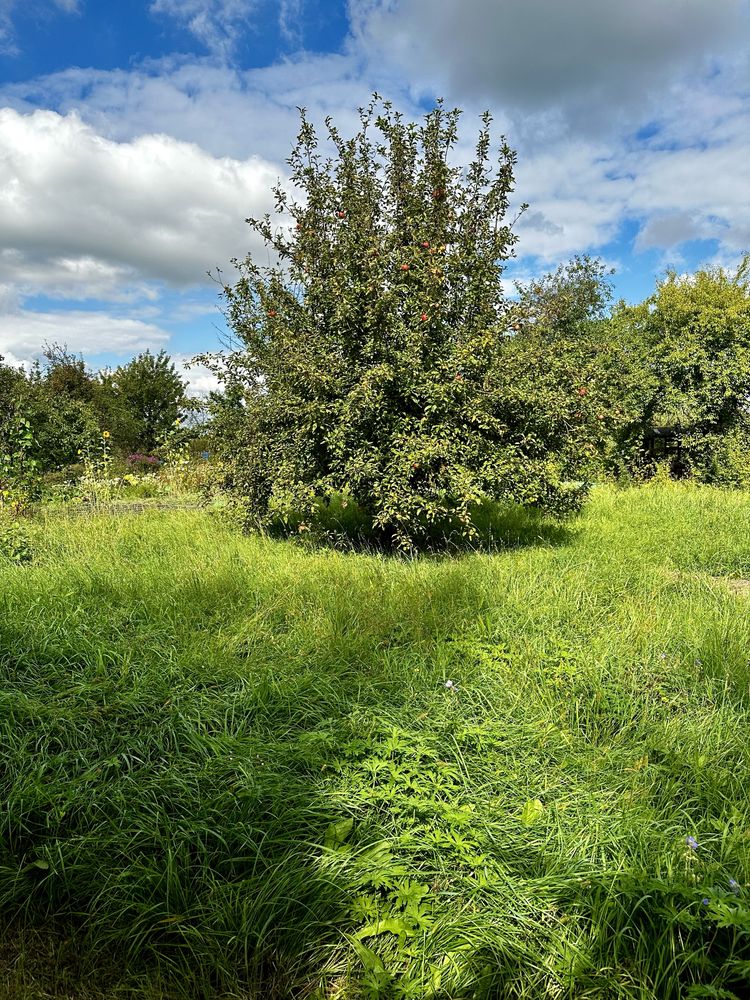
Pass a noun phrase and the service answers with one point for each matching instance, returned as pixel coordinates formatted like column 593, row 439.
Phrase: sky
column 137, row 137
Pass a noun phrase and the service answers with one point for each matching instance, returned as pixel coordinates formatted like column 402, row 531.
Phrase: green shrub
column 15, row 543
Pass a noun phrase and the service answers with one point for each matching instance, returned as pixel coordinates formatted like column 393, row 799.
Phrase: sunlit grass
column 232, row 766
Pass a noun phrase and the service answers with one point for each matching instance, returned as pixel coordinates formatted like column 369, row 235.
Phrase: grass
column 231, row 766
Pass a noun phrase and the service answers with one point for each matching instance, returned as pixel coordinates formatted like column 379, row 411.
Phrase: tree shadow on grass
column 496, row 527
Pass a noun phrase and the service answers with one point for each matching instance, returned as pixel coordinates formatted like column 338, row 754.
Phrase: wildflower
column 662, row 656
column 734, row 885
column 705, row 901
column 450, row 684
column 106, row 435
column 692, row 843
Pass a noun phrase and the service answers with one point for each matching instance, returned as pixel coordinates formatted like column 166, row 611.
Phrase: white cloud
column 23, row 333
column 221, row 25
column 146, row 174
column 225, row 111
column 201, row 380
column 80, row 214
column 7, row 44
column 290, row 15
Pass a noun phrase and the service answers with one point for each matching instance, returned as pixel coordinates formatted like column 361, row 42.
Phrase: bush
column 15, row 543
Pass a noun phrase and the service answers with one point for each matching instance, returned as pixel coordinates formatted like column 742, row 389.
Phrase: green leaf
column 337, row 834
column 532, row 812
column 388, row 925
column 368, row 958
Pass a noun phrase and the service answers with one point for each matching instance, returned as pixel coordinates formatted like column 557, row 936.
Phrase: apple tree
column 368, row 348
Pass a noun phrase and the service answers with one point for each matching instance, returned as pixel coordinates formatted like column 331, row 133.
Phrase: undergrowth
column 234, row 767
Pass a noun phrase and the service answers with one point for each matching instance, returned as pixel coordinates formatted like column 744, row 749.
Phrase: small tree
column 369, row 351
column 579, row 385
column 693, row 336
column 148, row 396
column 65, row 374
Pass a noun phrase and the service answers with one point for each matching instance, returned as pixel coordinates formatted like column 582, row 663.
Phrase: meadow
column 238, row 767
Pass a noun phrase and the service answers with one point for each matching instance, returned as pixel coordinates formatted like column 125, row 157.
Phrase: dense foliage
column 372, row 353
column 66, row 407
column 690, row 345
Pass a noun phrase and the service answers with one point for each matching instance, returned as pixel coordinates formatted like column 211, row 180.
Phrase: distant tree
column 63, row 427
column 149, row 396
column 65, row 374
column 563, row 304
column 369, row 354
column 693, row 338
column 579, row 385
column 60, row 425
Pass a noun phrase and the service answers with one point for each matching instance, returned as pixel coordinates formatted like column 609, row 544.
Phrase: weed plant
column 236, row 767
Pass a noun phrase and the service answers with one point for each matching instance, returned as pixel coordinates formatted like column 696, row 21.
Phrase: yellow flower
column 106, row 435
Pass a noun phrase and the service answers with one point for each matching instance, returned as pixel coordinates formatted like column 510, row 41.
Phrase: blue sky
column 136, row 137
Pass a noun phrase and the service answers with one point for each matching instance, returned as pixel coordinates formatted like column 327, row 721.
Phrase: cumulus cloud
column 23, row 332
column 226, row 111
column 145, row 175
column 534, row 54
column 201, row 381
column 80, row 214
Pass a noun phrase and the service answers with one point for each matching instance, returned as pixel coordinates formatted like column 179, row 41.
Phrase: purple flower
column 734, row 884
column 692, row 843
column 705, row 901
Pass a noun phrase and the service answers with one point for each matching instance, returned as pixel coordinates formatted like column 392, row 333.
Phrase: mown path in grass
column 234, row 767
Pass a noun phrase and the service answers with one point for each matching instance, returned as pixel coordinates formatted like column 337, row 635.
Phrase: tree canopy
column 371, row 352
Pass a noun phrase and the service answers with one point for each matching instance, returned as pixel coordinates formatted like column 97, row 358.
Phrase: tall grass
column 235, row 767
